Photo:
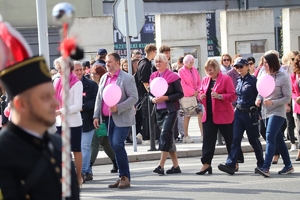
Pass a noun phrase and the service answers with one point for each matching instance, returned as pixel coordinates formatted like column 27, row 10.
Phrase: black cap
column 240, row 62
column 102, row 52
column 31, row 72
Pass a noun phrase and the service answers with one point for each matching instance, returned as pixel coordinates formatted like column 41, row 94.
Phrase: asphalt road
column 244, row 185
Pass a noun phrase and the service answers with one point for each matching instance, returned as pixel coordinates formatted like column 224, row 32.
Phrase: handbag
column 190, row 105
column 101, row 131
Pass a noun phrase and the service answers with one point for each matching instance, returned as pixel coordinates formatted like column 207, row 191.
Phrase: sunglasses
column 250, row 63
column 226, row 60
column 239, row 66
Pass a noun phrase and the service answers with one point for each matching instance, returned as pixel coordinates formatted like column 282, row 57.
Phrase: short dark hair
column 251, row 59
column 136, row 52
column 180, row 59
column 116, row 56
column 164, row 48
column 273, row 62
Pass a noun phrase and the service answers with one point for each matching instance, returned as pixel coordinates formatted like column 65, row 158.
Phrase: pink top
column 190, row 80
column 295, row 92
column 109, row 80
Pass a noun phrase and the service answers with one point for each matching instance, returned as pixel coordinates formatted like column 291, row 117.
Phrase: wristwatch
column 219, row 96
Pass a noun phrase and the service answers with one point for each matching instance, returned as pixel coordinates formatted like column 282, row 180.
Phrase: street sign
column 136, row 16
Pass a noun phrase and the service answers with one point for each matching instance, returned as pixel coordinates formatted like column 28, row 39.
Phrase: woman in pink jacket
column 190, row 82
column 217, row 94
column 295, row 79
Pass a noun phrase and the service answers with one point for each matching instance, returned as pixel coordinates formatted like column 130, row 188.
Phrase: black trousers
column 290, row 124
column 210, row 130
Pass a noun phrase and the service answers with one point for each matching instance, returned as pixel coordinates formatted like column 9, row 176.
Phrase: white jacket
column 74, row 105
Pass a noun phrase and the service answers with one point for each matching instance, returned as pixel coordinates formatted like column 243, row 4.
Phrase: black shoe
column 226, row 168
column 159, row 170
column 174, row 170
column 88, row 177
column 115, row 167
column 83, row 177
column 209, row 170
column 128, row 141
column 297, row 159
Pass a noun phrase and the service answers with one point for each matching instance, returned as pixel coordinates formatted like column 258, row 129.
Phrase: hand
column 57, row 112
column 298, row 100
column 257, row 102
column 288, row 108
column 268, row 102
column 159, row 99
column 196, row 93
column 202, row 96
column 113, row 109
column 96, row 123
column 214, row 95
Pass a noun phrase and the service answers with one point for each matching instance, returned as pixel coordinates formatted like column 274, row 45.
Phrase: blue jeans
column 274, row 137
column 86, row 140
column 242, row 122
column 117, row 136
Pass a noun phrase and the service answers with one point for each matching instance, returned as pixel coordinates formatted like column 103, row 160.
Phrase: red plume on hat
column 13, row 47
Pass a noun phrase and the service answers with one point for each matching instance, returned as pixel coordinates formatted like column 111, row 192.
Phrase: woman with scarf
column 74, row 118
column 166, row 113
column 190, row 82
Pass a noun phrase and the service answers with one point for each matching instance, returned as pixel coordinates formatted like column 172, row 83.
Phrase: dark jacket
column 174, row 93
column 90, row 90
column 20, row 153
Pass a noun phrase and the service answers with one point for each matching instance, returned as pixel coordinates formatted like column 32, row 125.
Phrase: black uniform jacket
column 19, row 154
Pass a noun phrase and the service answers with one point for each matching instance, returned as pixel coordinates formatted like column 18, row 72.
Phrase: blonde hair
column 212, row 63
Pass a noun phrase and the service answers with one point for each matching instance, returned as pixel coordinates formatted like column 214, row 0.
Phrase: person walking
column 190, row 82
column 90, row 89
column 245, row 118
column 118, row 118
column 274, row 114
column 166, row 113
column 217, row 94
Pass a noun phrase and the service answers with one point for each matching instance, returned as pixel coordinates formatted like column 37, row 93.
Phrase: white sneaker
column 293, row 147
column 187, row 139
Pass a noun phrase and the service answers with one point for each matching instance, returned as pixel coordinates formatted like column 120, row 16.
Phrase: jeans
column 274, row 137
column 86, row 140
column 242, row 122
column 117, row 136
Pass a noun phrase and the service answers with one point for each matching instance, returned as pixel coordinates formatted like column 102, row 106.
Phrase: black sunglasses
column 239, row 66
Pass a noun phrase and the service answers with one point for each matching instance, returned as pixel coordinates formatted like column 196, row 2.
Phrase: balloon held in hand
column 158, row 86
column 265, row 85
column 112, row 94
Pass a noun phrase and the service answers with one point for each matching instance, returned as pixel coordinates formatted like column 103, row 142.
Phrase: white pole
column 129, row 68
column 42, row 29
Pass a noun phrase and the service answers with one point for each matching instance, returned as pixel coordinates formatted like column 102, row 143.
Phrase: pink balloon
column 112, row 94
column 158, row 86
column 265, row 85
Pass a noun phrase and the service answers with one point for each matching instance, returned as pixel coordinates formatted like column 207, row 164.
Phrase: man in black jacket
column 30, row 157
column 90, row 89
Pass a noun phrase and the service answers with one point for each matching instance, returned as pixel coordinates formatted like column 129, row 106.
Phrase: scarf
column 168, row 75
column 58, row 87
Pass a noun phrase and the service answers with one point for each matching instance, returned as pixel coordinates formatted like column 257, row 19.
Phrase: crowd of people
column 226, row 102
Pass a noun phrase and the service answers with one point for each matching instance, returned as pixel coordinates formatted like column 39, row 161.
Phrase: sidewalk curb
column 155, row 155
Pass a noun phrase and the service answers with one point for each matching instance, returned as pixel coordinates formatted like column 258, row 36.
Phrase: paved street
column 243, row 185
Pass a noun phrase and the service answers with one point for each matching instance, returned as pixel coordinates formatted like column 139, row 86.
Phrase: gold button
column 52, row 160
column 27, row 196
column 22, row 182
column 57, row 169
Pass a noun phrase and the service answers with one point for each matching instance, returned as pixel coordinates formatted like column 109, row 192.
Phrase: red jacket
column 295, row 92
column 222, row 109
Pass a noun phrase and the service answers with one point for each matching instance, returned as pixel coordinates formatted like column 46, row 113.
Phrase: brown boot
column 124, row 182
column 115, row 185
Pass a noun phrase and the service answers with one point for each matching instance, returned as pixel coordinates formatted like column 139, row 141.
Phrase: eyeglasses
column 226, row 60
column 293, row 59
column 239, row 66
column 250, row 63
